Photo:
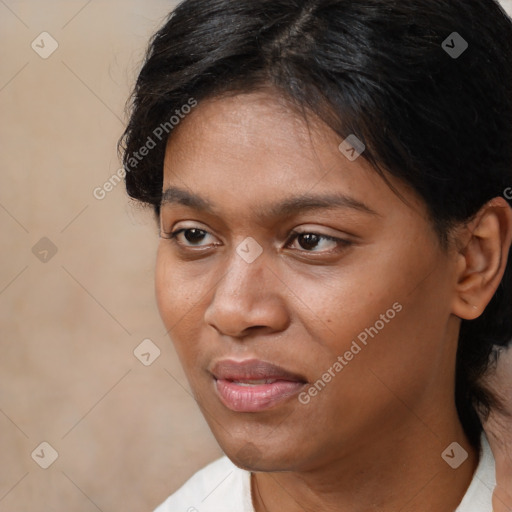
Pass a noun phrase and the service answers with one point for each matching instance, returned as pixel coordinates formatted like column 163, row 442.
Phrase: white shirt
column 223, row 487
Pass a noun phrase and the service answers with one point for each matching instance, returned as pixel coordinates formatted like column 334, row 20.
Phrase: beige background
column 126, row 434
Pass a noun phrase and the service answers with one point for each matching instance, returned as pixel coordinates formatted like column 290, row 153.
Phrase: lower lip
column 257, row 397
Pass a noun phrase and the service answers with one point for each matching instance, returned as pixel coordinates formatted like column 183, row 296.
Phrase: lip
column 252, row 369
column 238, row 395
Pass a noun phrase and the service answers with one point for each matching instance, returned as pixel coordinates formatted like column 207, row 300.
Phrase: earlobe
column 483, row 258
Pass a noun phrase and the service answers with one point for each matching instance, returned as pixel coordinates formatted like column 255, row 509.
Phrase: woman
column 329, row 178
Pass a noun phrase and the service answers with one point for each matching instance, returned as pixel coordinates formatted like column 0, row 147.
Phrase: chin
column 252, row 457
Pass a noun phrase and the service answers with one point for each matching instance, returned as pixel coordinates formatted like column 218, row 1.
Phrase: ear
column 484, row 245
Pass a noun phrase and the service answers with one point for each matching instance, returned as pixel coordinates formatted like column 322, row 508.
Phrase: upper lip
column 252, row 369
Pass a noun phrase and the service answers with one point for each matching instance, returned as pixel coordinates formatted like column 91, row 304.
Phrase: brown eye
column 311, row 241
column 308, row 241
column 187, row 237
column 194, row 235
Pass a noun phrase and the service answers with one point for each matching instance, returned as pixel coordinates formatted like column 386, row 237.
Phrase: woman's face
column 356, row 311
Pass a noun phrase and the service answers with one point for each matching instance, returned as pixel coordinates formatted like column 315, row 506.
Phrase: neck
column 399, row 469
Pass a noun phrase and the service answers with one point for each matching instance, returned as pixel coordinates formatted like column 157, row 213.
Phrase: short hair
column 424, row 84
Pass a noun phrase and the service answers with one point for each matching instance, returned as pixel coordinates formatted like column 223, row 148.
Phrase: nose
column 249, row 296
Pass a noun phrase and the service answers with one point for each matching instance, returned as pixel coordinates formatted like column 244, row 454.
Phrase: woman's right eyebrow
column 285, row 208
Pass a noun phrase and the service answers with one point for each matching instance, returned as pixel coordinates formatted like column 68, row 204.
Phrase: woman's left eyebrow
column 299, row 204
column 285, row 208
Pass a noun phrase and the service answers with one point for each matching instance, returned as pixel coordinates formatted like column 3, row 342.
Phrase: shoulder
column 218, row 487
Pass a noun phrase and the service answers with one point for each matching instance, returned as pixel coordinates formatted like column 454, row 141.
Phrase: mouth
column 253, row 385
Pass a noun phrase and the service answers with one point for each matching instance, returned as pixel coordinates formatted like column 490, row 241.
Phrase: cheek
column 174, row 302
column 178, row 299
column 166, row 290
column 336, row 304
column 388, row 313
column 178, row 293
column 394, row 347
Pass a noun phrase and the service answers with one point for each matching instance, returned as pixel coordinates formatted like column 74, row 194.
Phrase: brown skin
column 372, row 439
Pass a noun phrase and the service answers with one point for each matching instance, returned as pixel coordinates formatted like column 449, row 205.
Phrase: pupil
column 308, row 241
column 194, row 235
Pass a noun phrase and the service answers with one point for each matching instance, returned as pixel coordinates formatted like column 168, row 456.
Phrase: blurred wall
column 76, row 282
column 125, row 434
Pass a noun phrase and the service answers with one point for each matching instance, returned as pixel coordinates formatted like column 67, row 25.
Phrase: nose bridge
column 242, row 279
column 244, row 297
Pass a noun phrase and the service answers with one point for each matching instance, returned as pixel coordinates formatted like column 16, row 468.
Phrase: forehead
column 254, row 136
column 252, row 149
column 235, row 124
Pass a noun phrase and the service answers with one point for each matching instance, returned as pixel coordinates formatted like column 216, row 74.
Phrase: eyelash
column 293, row 236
